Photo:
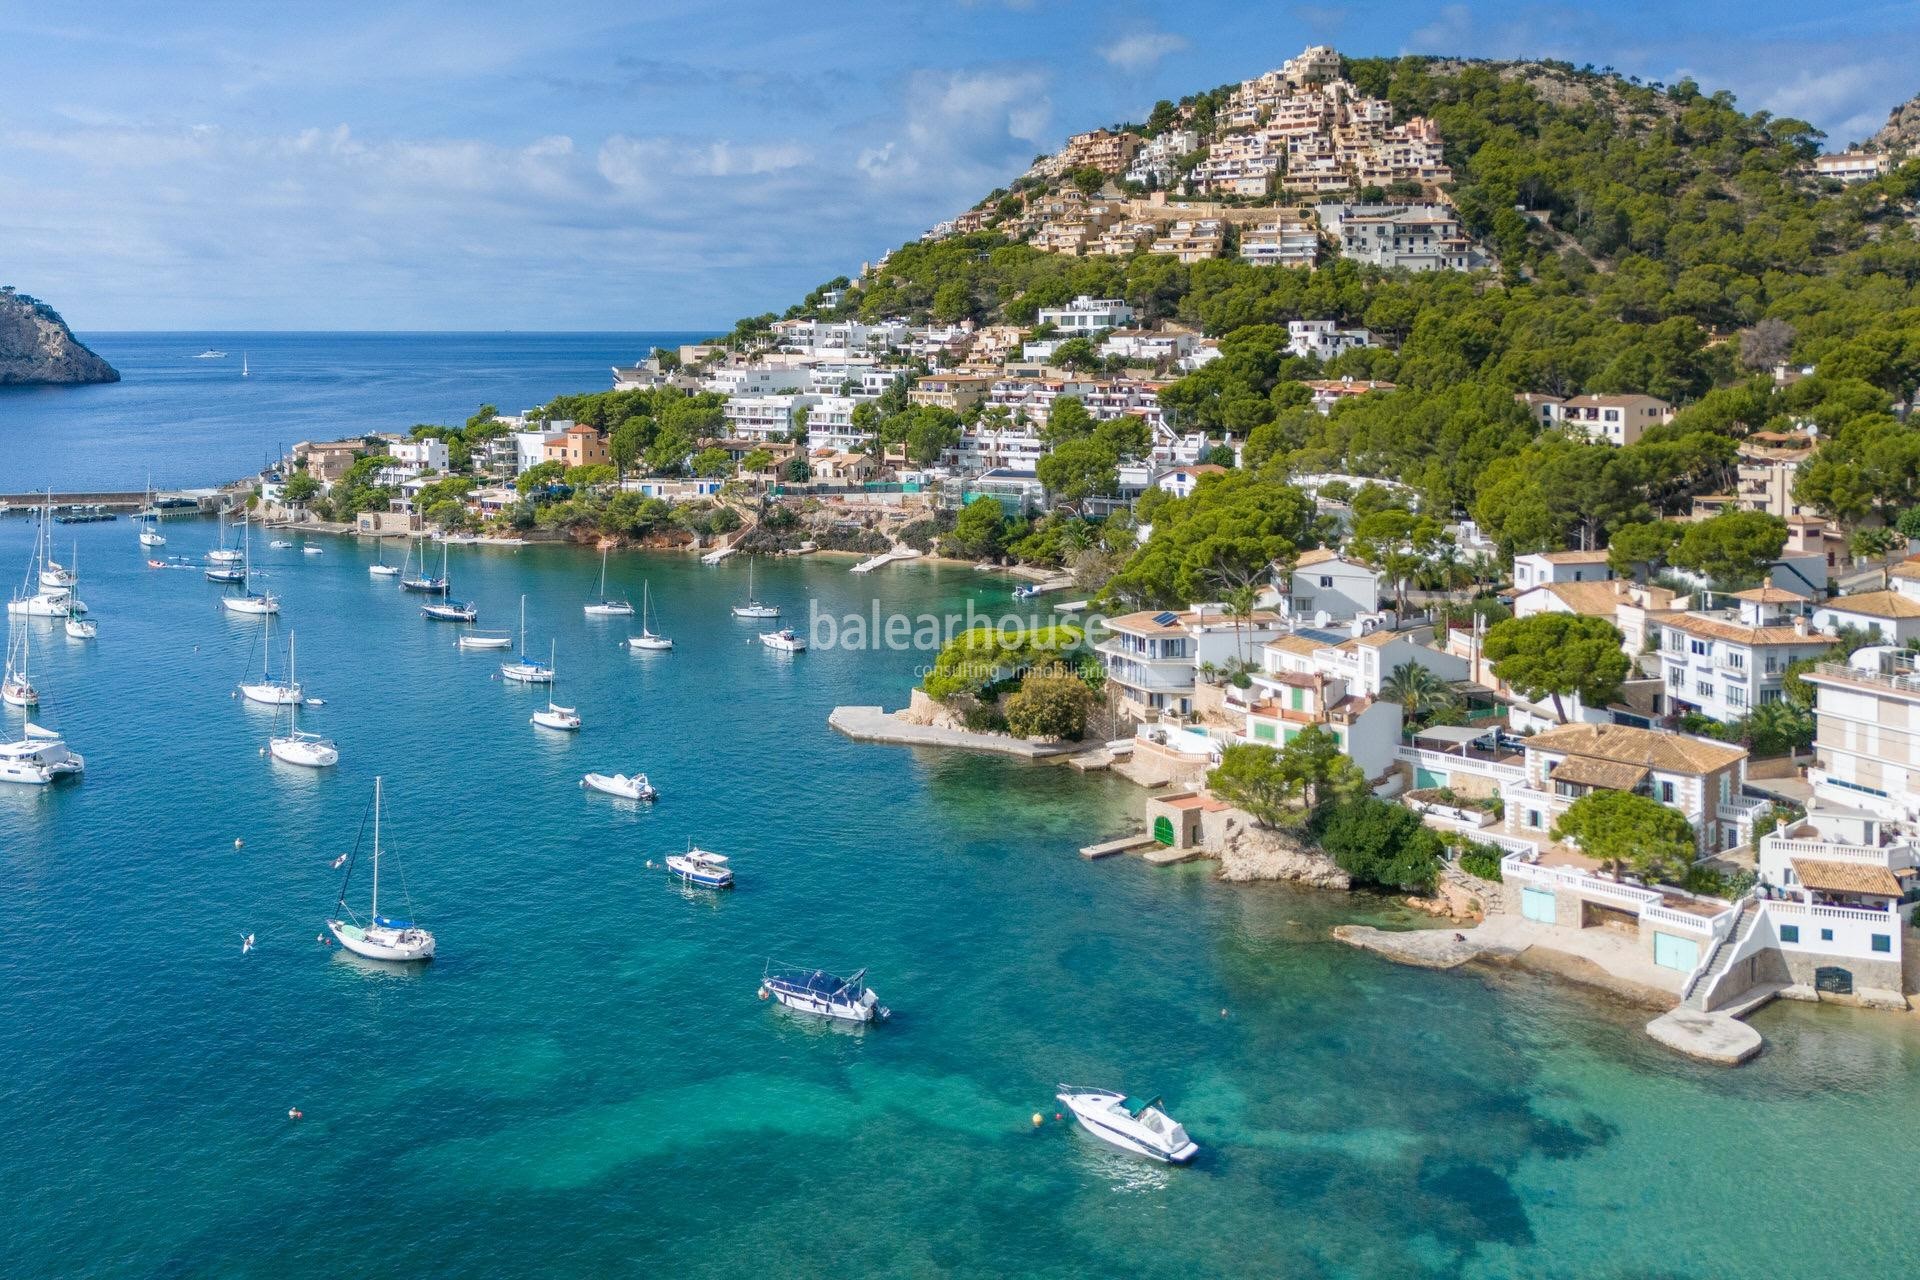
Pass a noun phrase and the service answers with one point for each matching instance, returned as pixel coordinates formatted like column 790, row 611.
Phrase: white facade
column 1542, row 567
column 1085, row 315
column 764, row 417
column 1322, row 340
column 1725, row 664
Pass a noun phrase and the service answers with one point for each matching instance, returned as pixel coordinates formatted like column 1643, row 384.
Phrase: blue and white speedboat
column 701, row 867
column 1143, row 1128
column 817, row 991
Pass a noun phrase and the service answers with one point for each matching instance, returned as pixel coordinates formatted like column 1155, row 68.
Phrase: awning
column 1455, row 735
column 1586, row 771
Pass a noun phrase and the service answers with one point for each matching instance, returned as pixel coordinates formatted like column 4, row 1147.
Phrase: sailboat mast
column 376, row 848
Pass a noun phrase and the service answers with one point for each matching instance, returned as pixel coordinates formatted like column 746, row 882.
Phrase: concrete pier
column 874, row 724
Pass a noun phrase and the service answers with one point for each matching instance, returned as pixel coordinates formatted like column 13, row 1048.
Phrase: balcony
column 1894, row 856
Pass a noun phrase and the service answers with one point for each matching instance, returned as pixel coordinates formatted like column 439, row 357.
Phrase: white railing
column 1708, row 925
column 1789, row 907
column 1525, row 849
column 1462, row 764
column 1577, row 880
column 1889, row 856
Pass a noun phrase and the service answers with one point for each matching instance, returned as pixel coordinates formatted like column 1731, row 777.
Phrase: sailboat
column 647, row 639
column 77, row 627
column 150, row 514
column 526, row 670
column 606, row 607
column 422, row 583
column 447, row 609
column 382, row 937
column 48, row 590
column 753, row 608
column 243, row 364
column 553, row 715
column 380, row 568
column 15, row 689
column 299, row 746
column 224, row 554
column 247, row 600
column 268, row 690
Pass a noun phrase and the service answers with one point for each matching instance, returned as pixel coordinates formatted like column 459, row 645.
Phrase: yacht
column 38, row 761
column 382, row 937
column 786, row 640
column 150, row 515
column 211, row 354
column 701, row 867
column 15, row 689
column 605, row 606
column 619, row 784
column 281, row 544
column 485, row 640
column 380, row 568
column 1143, row 1128
column 268, row 690
column 298, row 746
column 77, row 627
column 553, row 715
column 526, row 670
column 753, row 608
column 817, row 991
column 424, row 584
column 446, row 609
column 313, row 551
column 647, row 640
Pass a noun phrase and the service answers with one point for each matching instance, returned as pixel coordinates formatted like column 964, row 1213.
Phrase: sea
column 583, row 1082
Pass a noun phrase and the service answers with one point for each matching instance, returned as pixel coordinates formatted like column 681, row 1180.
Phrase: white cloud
column 961, row 132
column 1143, row 50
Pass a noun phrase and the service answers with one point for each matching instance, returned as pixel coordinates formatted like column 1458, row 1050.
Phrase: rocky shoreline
column 37, row 348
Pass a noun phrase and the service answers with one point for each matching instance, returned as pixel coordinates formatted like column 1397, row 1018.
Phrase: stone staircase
column 1701, row 985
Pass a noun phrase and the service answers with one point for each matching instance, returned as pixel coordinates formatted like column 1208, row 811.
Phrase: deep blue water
column 189, row 422
column 583, row 1082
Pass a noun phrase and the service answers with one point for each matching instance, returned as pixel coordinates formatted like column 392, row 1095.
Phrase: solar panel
column 1166, row 619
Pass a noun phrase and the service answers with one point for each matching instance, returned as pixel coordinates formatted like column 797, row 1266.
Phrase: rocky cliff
column 1900, row 136
column 37, row 347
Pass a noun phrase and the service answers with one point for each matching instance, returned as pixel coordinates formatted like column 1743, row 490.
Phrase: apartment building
column 1852, row 166
column 1324, row 339
column 1153, row 658
column 1416, row 237
column 1612, row 419
column 1281, row 241
column 1101, row 149
column 767, row 417
column 1724, row 663
column 957, row 392
column 1867, row 736
column 1085, row 315
column 1192, row 239
column 578, row 446
column 1302, row 683
column 1156, row 164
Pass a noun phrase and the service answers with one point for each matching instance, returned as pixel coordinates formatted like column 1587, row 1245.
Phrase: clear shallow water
column 584, row 1084
column 188, row 422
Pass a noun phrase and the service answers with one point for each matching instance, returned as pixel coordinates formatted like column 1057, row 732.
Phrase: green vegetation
column 975, row 660
column 1289, row 786
column 1557, row 655
column 1381, row 844
column 1628, row 831
column 1228, row 533
column 1049, row 706
column 1481, row 860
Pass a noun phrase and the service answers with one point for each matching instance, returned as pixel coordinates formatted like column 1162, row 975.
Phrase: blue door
column 1670, row 952
column 1537, row 905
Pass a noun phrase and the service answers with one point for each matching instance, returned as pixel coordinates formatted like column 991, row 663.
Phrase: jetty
column 108, row 500
column 874, row 724
column 885, row 557
column 718, row 554
column 1124, row 844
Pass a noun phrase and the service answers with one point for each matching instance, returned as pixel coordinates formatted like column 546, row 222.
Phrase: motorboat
column 619, row 784
column 298, row 746
column 485, row 640
column 268, row 690
column 280, row 544
column 450, row 611
column 382, row 937
column 754, row 607
column 648, row 640
column 817, row 991
column 526, row 670
column 211, row 354
column 1143, row 1128
column 1027, row 592
column 701, row 867
column 786, row 640
column 313, row 551
column 38, row 761
column 606, row 606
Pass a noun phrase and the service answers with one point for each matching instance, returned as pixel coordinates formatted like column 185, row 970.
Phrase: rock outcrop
column 1247, row 852
column 36, row 347
column 1900, row 136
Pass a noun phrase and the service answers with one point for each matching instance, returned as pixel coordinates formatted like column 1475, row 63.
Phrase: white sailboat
column 753, row 608
column 526, row 670
column 380, row 568
column 248, row 601
column 553, row 715
column 269, row 690
column 648, row 640
column 48, row 589
column 224, row 554
column 243, row 364
column 150, row 536
column 77, row 627
column 298, row 746
column 446, row 608
column 605, row 606
column 15, row 689
column 382, row 937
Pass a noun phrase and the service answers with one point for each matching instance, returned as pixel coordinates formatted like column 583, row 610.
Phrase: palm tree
column 1241, row 600
column 1418, row 690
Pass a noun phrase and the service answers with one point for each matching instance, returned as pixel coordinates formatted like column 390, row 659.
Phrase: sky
column 663, row 165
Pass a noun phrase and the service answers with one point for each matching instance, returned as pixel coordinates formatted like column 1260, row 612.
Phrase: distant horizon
column 671, row 331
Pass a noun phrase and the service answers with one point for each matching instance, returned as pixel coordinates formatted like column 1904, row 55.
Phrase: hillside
column 1900, row 135
column 36, row 347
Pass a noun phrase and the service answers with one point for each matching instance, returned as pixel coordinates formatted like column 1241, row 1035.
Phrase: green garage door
column 1537, row 904
column 1670, row 952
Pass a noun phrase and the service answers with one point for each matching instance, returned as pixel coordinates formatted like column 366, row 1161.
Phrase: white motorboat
column 619, row 784
column 313, row 551
column 280, row 544
column 485, row 640
column 298, row 746
column 786, row 640
column 211, row 354
column 45, row 604
column 526, row 670
column 1143, row 1128
column 269, row 690
column 148, row 538
column 648, row 640
column 817, row 991
column 382, row 937
column 606, row 606
column 38, row 761
column 753, row 608
column 701, row 867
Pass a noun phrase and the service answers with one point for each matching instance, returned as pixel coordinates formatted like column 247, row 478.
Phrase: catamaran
column 269, row 690
column 526, row 670
column 1143, row 1128
column 248, row 601
column 298, row 746
column 606, row 606
column 553, row 715
column 647, row 639
column 39, row 759
column 817, row 991
column 753, row 608
column 382, row 938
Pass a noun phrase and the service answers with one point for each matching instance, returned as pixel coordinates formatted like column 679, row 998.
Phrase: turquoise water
column 583, row 1082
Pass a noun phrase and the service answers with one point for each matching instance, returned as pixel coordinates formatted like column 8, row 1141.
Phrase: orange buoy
column 1038, row 1119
